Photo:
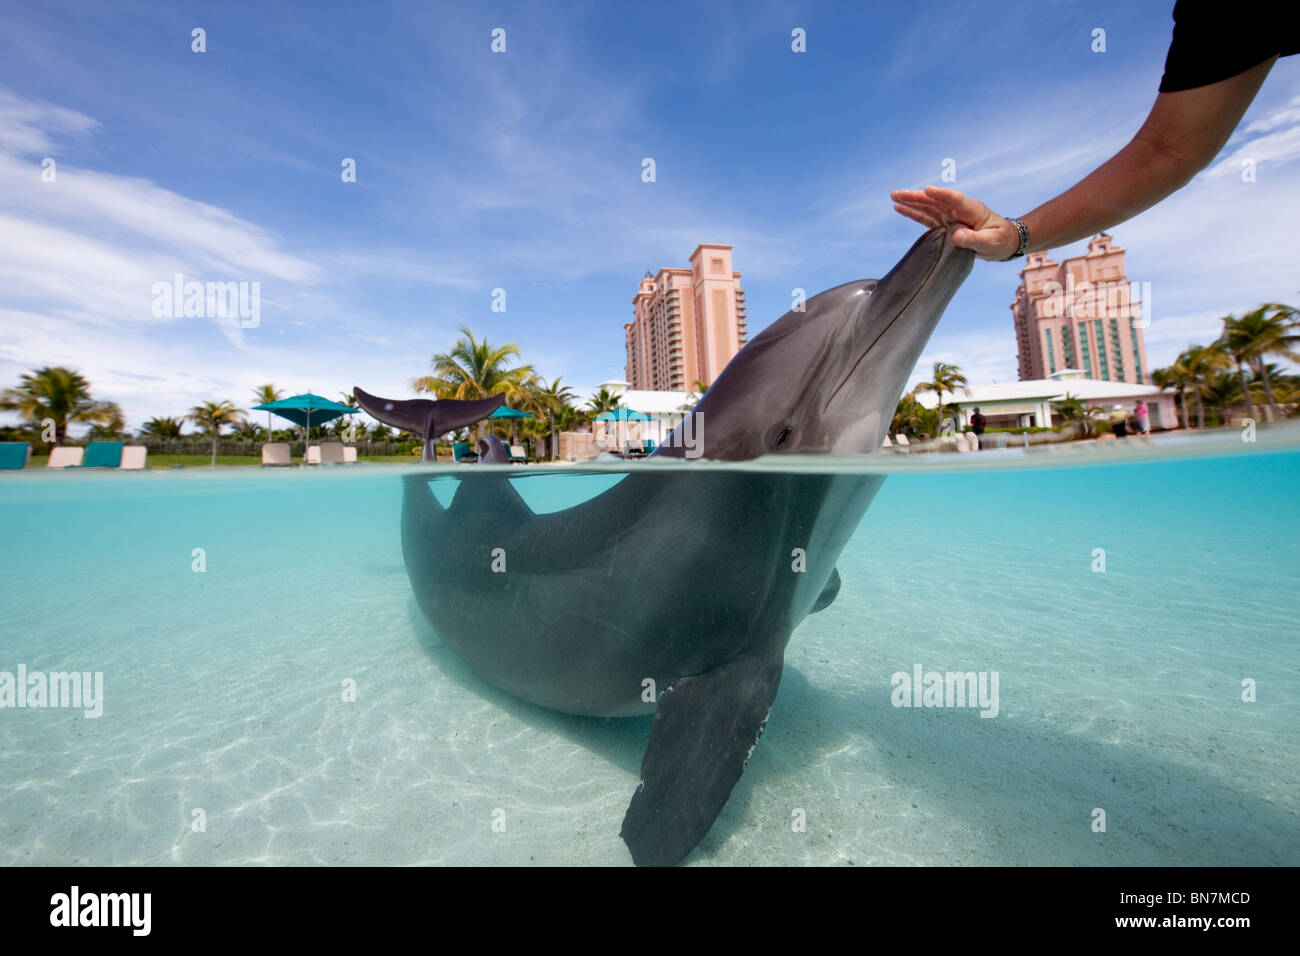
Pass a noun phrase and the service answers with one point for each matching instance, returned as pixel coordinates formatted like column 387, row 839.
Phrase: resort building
column 687, row 323
column 1080, row 314
column 664, row 408
column 1029, row 403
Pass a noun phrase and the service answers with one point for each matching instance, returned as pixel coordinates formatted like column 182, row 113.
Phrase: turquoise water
column 224, row 689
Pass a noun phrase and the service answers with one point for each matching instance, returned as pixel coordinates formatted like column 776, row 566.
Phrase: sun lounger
column 103, row 454
column 331, row 453
column 886, row 443
column 65, row 456
column 350, row 454
column 633, row 449
column 902, row 442
column 14, row 455
column 461, row 451
column 275, row 454
column 648, row 446
column 133, row 458
column 313, row 455
column 517, row 454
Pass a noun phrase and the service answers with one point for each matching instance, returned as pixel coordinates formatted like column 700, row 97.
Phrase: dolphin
column 425, row 417
column 714, row 568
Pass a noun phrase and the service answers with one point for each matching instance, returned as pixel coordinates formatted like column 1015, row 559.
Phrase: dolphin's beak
column 890, row 330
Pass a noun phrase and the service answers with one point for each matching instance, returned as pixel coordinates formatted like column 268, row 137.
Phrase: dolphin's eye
column 782, row 438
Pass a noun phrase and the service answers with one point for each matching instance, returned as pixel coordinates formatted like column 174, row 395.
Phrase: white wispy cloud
column 31, row 126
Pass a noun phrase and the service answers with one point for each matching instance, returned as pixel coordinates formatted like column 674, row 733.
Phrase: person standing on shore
column 977, row 426
column 1118, row 421
column 1141, row 418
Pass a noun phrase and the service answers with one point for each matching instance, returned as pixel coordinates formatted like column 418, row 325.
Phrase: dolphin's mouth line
column 903, row 308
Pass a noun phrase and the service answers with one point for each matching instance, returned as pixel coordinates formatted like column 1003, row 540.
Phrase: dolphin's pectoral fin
column 705, row 728
column 829, row 592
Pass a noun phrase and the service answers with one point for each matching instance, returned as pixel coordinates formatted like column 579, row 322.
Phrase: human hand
column 987, row 234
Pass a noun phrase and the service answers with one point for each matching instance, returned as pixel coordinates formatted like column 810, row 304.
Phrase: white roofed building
column 1029, row 403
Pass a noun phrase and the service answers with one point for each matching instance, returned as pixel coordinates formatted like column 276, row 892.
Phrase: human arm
column 1182, row 134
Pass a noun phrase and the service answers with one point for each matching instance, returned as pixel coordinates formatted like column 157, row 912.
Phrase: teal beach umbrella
column 305, row 409
column 504, row 411
column 623, row 415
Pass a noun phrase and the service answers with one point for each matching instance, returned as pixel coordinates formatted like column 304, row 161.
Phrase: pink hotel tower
column 1078, row 314
column 687, row 323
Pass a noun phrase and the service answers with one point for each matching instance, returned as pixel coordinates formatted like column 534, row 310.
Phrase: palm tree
column 58, row 394
column 111, row 423
column 1222, row 392
column 603, row 401
column 1267, row 330
column 1283, row 385
column 550, row 400
column 1072, row 411
column 570, row 418
column 909, row 414
column 264, row 395
column 474, row 370
column 247, row 431
column 947, row 378
column 161, row 428
column 1203, row 363
column 211, row 417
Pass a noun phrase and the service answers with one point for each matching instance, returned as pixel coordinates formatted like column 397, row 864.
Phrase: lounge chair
column 461, row 451
column 313, row 455
column 133, row 458
column 103, row 454
column 902, row 441
column 633, row 449
column 517, row 454
column 331, row 453
column 275, row 454
column 65, row 456
column 350, row 454
column 15, row 455
column 648, row 446
column 886, row 443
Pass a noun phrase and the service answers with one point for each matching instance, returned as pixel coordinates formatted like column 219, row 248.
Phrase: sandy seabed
column 225, row 690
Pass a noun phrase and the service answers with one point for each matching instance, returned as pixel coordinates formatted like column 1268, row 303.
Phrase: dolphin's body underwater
column 712, row 569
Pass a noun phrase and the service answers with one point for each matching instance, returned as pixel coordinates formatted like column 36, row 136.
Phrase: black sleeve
column 1214, row 40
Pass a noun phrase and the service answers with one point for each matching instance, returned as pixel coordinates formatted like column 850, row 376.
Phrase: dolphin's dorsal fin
column 705, row 728
column 492, row 451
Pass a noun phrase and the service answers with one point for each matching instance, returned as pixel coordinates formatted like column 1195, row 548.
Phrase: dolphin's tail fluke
column 704, row 730
column 425, row 417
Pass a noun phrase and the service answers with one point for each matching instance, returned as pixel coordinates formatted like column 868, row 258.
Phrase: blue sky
column 522, row 170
